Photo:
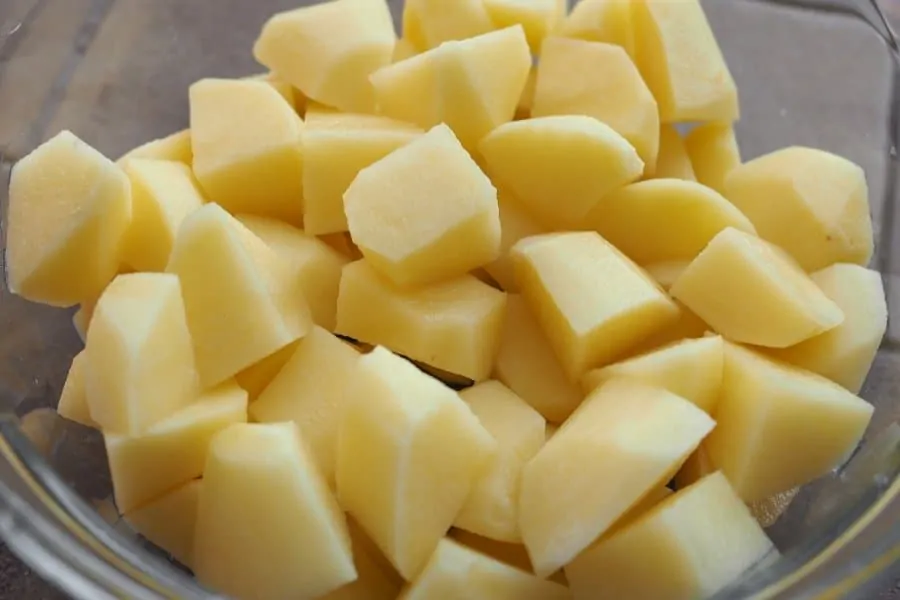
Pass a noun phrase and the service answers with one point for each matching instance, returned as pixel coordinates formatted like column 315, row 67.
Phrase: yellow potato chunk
column 267, row 524
column 69, row 208
column 812, row 203
column 429, row 23
column 175, row 147
column 376, row 578
column 673, row 161
column 173, row 451
column 527, row 365
column 560, row 167
column 426, row 212
column 845, row 353
column 455, row 571
column 408, row 90
column 607, row 21
column 409, row 453
column 591, row 301
column 247, row 151
column 666, row 272
column 690, row 546
column 163, row 193
column 681, row 61
column 714, row 153
column 691, row 369
column 328, row 50
column 599, row 80
column 404, row 49
column 258, row 376
column 140, row 361
column 314, row 265
column 750, row 291
column 537, row 17
column 492, row 507
column 73, row 403
column 515, row 224
column 293, row 96
column 769, row 411
column 623, row 432
column 241, row 297
column 455, row 325
column 168, row 522
column 688, row 326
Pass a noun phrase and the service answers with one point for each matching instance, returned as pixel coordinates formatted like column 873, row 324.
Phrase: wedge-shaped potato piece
column 408, row 90
column 73, row 399
column 328, row 50
column 492, row 507
column 315, row 265
column 714, row 153
column 267, row 524
column 376, row 578
column 247, row 151
column 429, row 23
column 455, row 571
column 664, row 219
column 516, row 223
column 690, row 546
column 538, row 18
column 294, row 97
column 243, row 301
column 576, row 77
column 412, row 241
column 812, row 203
column 169, row 521
column 591, row 301
column 560, row 167
column 682, row 63
column 526, row 363
column 673, row 161
column 409, row 453
column 691, row 369
column 750, row 291
column 258, row 376
column 780, row 426
column 172, row 452
column 607, row 21
column 69, row 208
column 175, row 147
column 455, row 325
column 623, row 432
column 140, row 362
column 845, row 353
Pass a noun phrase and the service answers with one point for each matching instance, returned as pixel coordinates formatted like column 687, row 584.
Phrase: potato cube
column 169, row 521
column 750, row 291
column 515, row 224
column 560, row 167
column 691, row 546
column 73, row 399
column 376, row 578
column 812, row 203
column 455, row 325
column 408, row 90
column 258, row 376
column 267, row 524
column 673, row 161
column 682, row 63
column 247, row 152
column 430, row 23
column 623, row 433
column 607, row 21
column 591, row 301
column 664, row 219
column 714, row 153
column 51, row 257
column 536, row 17
column 172, row 452
column 175, row 147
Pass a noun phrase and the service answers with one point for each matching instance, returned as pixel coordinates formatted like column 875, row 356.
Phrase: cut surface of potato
column 607, row 21
column 695, row 468
column 714, row 153
column 673, row 161
column 750, row 291
column 688, row 326
column 73, row 399
column 515, row 224
column 666, row 272
column 69, row 208
column 175, row 147
column 375, row 579
column 409, row 453
column 536, row 17
column 292, row 95
column 258, row 376
column 430, row 23
column 169, row 521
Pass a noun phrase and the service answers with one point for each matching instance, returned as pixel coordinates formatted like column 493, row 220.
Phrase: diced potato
column 455, row 571
column 526, row 363
column 412, row 241
column 492, row 507
column 140, row 361
column 73, row 399
column 52, row 257
column 682, row 63
column 258, row 376
column 408, row 90
column 780, row 426
column 537, row 17
column 376, row 578
column 845, row 354
column 267, row 524
column 576, row 77
column 404, row 49
column 691, row 546
column 688, row 326
column 343, row 243
column 163, row 194
column 560, row 167
column 242, row 299
column 173, row 451
column 515, row 224
column 429, row 23
column 666, row 272
column 664, row 219
column 673, row 161
column 515, row 555
column 607, row 21
column 812, row 203
column 247, row 151
column 624, row 433
column 526, row 100
column 591, row 301
column 455, row 325
column 714, row 153
column 169, row 521
column 314, row 265
column 409, row 453
column 175, row 147
column 691, row 369
column 328, row 50
column 311, row 391
column 750, row 291
column 294, row 97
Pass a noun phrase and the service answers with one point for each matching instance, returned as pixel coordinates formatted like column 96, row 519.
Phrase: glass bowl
column 821, row 73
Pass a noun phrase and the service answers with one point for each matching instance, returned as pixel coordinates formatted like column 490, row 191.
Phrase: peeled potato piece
column 607, row 21
column 175, row 147
column 73, row 403
column 168, row 522
column 537, row 17
column 515, row 224
column 673, row 161
column 714, row 153
column 429, row 23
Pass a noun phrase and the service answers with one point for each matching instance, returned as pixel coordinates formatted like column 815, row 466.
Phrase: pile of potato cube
column 653, row 338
